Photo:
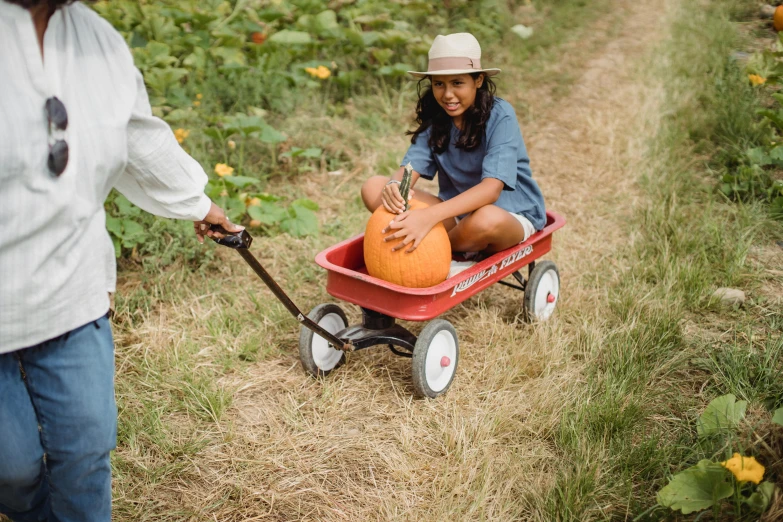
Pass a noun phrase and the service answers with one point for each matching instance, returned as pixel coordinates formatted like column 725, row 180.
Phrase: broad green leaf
column 312, row 152
column 758, row 156
column 760, row 499
column 370, row 38
column 125, row 207
column 267, row 213
column 325, row 24
column 117, row 246
column 723, row 413
column 246, row 124
column 229, row 55
column 197, row 59
column 287, row 37
column 270, row 135
column 132, row 233
column 300, row 221
column 305, row 203
column 216, row 134
column 776, row 154
column 240, row 181
column 697, row 488
column 235, row 208
column 777, row 418
column 114, row 225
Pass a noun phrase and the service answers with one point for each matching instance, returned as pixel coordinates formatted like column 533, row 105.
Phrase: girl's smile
column 456, row 93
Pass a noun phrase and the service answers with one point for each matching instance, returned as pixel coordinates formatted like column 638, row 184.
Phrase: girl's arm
column 414, row 225
column 486, row 192
column 391, row 197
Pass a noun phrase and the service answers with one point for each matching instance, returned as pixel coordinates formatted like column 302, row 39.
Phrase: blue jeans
column 58, row 425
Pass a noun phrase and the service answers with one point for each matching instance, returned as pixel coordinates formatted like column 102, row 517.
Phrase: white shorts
column 526, row 224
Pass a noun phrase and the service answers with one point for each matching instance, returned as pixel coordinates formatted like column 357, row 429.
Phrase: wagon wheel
column 318, row 356
column 542, row 292
column 435, row 359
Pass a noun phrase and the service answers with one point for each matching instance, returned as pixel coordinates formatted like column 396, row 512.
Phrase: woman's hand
column 215, row 216
column 392, row 199
column 412, row 227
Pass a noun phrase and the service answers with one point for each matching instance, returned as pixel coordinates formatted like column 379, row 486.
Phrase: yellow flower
column 232, row 144
column 196, row 103
column 221, row 169
column 322, row 72
column 745, row 468
column 181, row 134
column 254, row 202
column 755, row 79
column 255, row 223
column 224, row 194
column 199, row 96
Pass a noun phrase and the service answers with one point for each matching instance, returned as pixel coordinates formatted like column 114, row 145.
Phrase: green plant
column 711, row 482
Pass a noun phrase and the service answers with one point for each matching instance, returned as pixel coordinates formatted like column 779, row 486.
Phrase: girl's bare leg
column 488, row 229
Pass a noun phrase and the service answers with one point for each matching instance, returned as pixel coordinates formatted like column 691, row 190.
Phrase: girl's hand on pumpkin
column 392, row 199
column 411, row 226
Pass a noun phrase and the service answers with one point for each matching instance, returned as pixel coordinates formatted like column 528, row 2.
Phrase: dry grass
column 261, row 441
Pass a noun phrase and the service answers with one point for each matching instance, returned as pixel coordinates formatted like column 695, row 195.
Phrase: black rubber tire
column 307, row 336
column 421, row 388
column 541, row 268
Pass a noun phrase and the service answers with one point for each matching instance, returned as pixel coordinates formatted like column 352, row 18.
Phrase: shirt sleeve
column 421, row 157
column 500, row 161
column 160, row 177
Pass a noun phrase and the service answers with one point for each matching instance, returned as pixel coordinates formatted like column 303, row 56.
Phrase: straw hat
column 457, row 53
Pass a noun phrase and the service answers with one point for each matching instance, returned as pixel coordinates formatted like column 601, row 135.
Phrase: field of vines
column 225, row 74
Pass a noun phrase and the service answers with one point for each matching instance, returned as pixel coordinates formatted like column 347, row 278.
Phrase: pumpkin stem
column 405, row 185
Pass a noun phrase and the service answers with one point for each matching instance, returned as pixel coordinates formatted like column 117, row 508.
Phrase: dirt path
column 356, row 446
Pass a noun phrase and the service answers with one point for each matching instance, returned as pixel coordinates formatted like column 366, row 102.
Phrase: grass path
column 204, row 437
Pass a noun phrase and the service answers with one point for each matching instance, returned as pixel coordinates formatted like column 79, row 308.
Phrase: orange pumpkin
column 426, row 266
column 777, row 19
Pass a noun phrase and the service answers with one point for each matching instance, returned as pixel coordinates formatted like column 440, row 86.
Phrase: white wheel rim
column 324, row 356
column 442, row 345
column 548, row 285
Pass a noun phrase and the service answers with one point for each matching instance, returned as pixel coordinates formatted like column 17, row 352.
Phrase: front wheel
column 317, row 354
column 542, row 292
column 435, row 358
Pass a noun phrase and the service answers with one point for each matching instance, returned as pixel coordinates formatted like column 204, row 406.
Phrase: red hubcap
column 445, row 362
column 550, row 298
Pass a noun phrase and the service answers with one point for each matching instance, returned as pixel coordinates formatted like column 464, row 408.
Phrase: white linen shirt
column 56, row 257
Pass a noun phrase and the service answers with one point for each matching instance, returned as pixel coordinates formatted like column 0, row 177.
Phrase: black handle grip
column 232, row 239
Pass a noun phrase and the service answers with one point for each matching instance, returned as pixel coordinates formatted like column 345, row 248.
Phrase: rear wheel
column 318, row 356
column 542, row 292
column 435, row 359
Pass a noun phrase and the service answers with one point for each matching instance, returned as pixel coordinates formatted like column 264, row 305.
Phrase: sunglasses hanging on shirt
column 57, row 117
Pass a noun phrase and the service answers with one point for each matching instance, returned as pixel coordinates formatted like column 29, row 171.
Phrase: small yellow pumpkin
column 426, row 266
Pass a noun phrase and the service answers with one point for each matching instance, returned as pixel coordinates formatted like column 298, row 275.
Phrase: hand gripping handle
column 235, row 240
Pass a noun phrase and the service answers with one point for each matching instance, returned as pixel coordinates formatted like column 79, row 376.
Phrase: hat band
column 453, row 63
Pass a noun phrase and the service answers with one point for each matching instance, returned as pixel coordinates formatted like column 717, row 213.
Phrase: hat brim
column 488, row 72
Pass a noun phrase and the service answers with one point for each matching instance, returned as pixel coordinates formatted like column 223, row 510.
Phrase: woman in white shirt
column 75, row 121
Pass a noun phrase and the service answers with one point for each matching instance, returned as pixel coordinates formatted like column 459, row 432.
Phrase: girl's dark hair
column 53, row 4
column 474, row 119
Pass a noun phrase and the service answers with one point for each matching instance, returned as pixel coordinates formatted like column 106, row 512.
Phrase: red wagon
column 326, row 335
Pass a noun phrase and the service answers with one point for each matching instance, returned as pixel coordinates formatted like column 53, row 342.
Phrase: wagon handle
column 240, row 242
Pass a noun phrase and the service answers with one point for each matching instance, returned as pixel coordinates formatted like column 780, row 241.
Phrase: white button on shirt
column 56, row 257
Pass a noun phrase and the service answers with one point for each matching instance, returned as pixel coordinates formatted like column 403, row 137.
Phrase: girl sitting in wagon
column 487, row 200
